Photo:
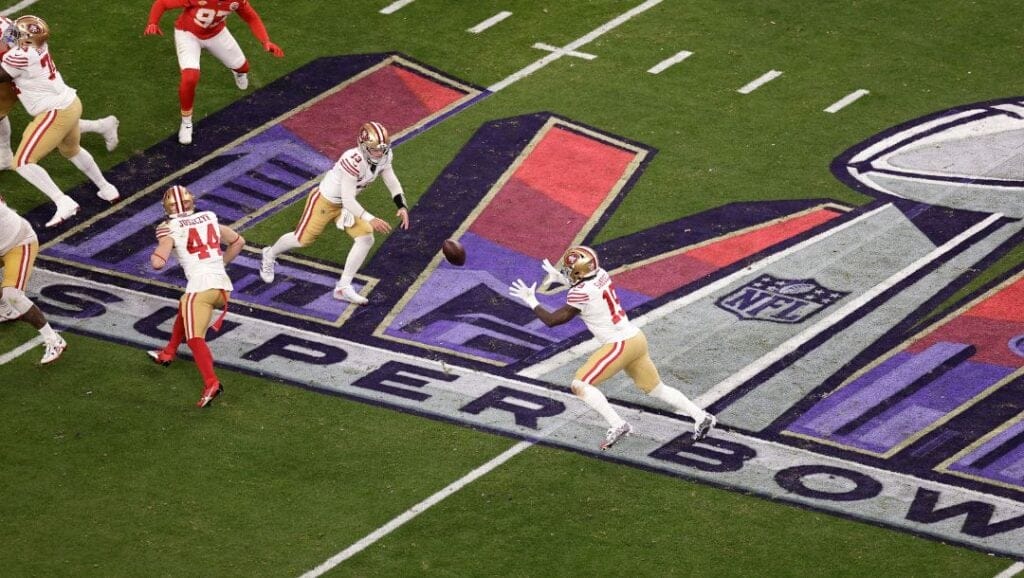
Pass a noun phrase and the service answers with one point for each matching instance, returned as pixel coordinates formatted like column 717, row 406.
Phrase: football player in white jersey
column 335, row 200
column 57, row 111
column 106, row 127
column 18, row 249
column 195, row 238
column 623, row 345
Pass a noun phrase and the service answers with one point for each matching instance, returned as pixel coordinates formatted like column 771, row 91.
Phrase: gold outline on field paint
column 944, row 466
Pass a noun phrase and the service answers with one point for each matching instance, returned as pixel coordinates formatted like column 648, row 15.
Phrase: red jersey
column 205, row 18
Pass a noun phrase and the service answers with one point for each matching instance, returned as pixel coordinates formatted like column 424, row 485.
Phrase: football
column 453, row 251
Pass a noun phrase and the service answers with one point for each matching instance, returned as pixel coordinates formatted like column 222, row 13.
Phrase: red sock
column 243, row 68
column 187, row 89
column 204, row 360
column 177, row 335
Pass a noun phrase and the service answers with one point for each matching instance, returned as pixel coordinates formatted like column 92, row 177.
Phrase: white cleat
column 614, row 434
column 108, row 193
column 347, row 293
column 6, row 160
column 185, row 133
column 700, row 430
column 267, row 266
column 241, row 80
column 66, row 208
column 109, row 132
column 54, row 349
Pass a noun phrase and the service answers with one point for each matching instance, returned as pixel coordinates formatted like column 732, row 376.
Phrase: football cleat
column 578, row 263
column 66, row 208
column 109, row 132
column 210, row 392
column 614, row 434
column 241, row 80
column 159, row 357
column 347, row 293
column 54, row 349
column 108, row 193
column 700, row 430
column 185, row 133
column 267, row 266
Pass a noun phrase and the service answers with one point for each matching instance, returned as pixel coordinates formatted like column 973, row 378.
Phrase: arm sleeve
column 394, row 186
column 252, row 18
column 160, row 6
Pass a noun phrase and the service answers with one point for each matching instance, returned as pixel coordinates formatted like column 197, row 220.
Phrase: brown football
column 454, row 252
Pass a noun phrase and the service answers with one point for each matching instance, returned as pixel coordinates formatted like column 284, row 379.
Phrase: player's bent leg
column 84, row 162
column 343, row 290
column 54, row 344
column 204, row 362
column 106, row 127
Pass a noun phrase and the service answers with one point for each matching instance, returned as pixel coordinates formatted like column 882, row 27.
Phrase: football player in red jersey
column 201, row 25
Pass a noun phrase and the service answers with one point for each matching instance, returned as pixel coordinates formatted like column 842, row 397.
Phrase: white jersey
column 40, row 87
column 353, row 173
column 197, row 246
column 14, row 229
column 600, row 309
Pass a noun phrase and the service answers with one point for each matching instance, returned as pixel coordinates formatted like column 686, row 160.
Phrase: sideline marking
column 664, row 64
column 395, row 6
column 581, row 41
column 757, row 82
column 846, row 100
column 727, row 385
column 21, row 350
column 549, row 48
column 556, row 361
column 416, row 510
column 1013, row 570
column 489, row 22
column 17, row 7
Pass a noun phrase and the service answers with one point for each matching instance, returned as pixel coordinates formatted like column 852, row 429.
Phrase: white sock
column 285, row 242
column 41, row 180
column 361, row 246
column 49, row 335
column 598, row 402
column 85, row 125
column 679, row 402
column 186, row 119
column 5, row 136
column 85, row 163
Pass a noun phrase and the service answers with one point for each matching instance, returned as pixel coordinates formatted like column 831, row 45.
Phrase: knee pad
column 16, row 299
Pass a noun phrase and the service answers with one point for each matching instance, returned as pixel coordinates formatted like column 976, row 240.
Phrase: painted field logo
column 770, row 298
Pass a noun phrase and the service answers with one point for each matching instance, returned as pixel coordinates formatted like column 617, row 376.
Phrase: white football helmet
column 578, row 263
column 374, row 141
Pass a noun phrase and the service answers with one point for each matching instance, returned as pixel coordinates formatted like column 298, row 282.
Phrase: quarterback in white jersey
column 195, row 239
column 18, row 249
column 623, row 347
column 57, row 112
column 335, row 201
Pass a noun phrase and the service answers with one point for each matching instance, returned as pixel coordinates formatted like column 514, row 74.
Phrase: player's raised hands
column 525, row 293
column 553, row 274
column 273, row 49
column 152, row 30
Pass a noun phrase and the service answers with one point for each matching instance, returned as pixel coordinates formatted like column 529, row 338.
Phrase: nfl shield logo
column 770, row 298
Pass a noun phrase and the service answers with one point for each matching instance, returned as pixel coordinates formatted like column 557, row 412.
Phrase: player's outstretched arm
column 252, row 18
column 527, row 294
column 235, row 243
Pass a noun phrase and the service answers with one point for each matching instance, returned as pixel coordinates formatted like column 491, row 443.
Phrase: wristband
column 400, row 202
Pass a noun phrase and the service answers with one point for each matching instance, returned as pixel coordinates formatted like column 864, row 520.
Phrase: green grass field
column 108, row 469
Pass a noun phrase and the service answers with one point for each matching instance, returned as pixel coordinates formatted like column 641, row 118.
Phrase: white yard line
column 1013, row 570
column 759, row 81
column 846, row 100
column 416, row 510
column 21, row 350
column 395, row 6
column 664, row 64
column 556, row 361
column 726, row 386
column 583, row 40
column 17, row 7
column 549, row 48
column 489, row 22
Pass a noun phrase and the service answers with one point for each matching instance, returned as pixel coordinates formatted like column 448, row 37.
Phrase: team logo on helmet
column 374, row 141
column 578, row 263
column 178, row 201
column 30, row 31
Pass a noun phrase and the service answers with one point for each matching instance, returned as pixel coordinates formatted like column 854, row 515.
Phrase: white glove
column 524, row 292
column 553, row 275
